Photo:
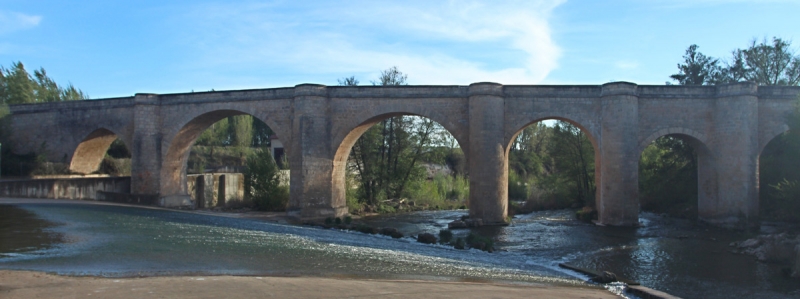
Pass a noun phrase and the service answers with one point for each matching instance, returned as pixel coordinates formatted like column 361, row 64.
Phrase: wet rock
column 605, row 277
column 426, row 238
column 456, row 224
column 477, row 222
column 388, row 231
column 749, row 243
column 479, row 245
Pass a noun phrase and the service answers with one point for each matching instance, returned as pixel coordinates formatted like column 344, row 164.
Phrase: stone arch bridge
column 728, row 126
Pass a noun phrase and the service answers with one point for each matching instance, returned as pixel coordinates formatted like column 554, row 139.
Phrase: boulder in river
column 426, row 238
column 605, row 277
column 456, row 224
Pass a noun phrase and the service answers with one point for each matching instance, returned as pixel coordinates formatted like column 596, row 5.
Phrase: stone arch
column 694, row 135
column 589, row 133
column 771, row 135
column 91, row 151
column 707, row 177
column 592, row 138
column 173, row 168
column 346, row 145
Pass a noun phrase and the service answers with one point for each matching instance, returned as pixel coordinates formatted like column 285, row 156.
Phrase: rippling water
column 128, row 241
column 672, row 255
column 675, row 256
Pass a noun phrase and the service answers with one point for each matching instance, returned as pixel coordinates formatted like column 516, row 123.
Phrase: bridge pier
column 735, row 143
column 146, row 147
column 311, row 180
column 617, row 167
column 488, row 164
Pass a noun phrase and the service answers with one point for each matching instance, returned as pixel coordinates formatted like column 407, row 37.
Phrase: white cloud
column 14, row 21
column 455, row 42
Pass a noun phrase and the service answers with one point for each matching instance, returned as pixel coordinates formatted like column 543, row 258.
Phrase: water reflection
column 676, row 256
column 22, row 231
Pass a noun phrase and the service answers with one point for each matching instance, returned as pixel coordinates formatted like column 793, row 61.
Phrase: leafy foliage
column 763, row 63
column 386, row 159
column 668, row 178
column 551, row 167
column 262, row 182
column 17, row 86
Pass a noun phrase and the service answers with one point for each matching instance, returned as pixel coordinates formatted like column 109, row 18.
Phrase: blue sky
column 116, row 48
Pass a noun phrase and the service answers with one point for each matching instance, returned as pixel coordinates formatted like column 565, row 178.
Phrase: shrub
column 445, row 236
column 480, row 242
column 262, row 182
column 337, row 220
column 348, row 220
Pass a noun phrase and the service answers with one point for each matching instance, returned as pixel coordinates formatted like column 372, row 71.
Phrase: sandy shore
column 27, row 284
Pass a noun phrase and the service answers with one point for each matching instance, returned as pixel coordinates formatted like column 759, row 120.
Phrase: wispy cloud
column 14, row 21
column 435, row 42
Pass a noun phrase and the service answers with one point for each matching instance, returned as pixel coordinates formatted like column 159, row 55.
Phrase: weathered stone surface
column 727, row 125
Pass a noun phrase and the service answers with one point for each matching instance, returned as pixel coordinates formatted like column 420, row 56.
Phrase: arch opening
column 226, row 158
column 677, row 177
column 553, row 163
column 101, row 152
column 399, row 161
column 779, row 178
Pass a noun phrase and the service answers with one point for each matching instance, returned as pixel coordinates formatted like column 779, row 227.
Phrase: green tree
column 697, row 69
column 262, row 182
column 17, row 86
column 242, row 130
column 387, row 157
column 770, row 64
column 668, row 178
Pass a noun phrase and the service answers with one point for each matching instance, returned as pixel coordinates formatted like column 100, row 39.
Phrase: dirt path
column 26, row 284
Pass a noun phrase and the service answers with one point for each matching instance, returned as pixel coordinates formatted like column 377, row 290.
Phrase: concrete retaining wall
column 216, row 189
column 73, row 188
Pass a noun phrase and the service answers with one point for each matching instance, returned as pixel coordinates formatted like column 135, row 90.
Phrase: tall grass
column 441, row 192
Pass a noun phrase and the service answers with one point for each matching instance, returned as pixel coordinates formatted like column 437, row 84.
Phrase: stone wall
column 72, row 188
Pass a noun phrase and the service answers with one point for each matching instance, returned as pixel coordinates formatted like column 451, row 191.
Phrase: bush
column 587, row 214
column 480, row 242
column 262, row 182
column 445, row 236
column 348, row 220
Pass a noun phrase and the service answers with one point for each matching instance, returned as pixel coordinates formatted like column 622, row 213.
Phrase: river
column 678, row 257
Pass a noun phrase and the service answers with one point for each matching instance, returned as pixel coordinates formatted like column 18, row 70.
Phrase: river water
column 674, row 256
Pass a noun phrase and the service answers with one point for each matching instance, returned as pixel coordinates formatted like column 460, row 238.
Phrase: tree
column 262, row 182
column 386, row 158
column 242, row 130
column 18, row 87
column 763, row 63
column 771, row 64
column 697, row 69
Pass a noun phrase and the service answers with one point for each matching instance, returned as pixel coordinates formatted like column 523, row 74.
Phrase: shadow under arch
column 581, row 127
column 707, row 177
column 346, row 145
column 91, row 151
column 174, row 165
column 776, row 171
